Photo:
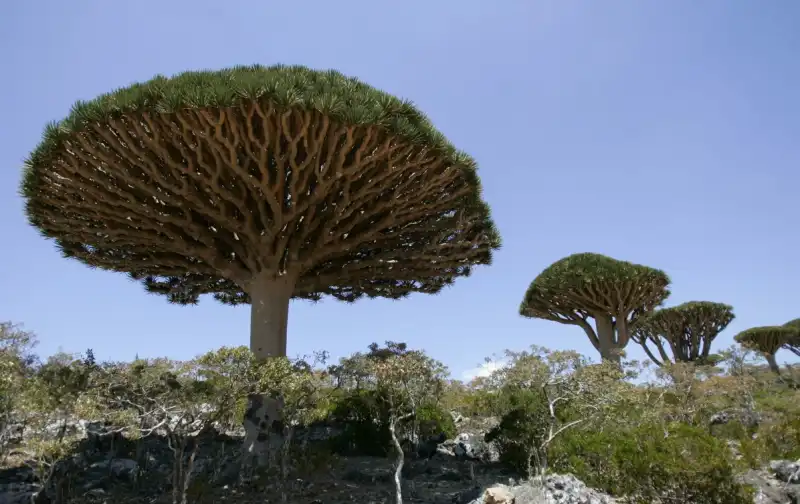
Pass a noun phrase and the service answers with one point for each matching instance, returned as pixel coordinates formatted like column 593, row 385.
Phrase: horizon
column 660, row 134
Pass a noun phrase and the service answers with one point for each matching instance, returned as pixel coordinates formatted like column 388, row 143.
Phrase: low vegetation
column 678, row 431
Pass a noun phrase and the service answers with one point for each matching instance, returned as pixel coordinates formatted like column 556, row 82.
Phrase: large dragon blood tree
column 584, row 287
column 767, row 340
column 258, row 185
column 688, row 330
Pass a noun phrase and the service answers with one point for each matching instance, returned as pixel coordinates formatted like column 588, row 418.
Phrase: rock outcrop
column 107, row 467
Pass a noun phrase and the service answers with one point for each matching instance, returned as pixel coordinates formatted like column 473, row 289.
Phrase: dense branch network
column 767, row 339
column 201, row 199
column 687, row 329
column 588, row 286
column 793, row 344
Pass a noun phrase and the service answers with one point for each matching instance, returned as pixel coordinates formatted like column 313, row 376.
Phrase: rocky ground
column 462, row 471
column 364, row 480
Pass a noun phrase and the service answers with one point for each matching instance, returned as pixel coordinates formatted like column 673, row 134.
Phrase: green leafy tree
column 51, row 399
column 653, row 463
column 233, row 374
column 768, row 340
column 57, row 389
column 166, row 397
column 361, row 407
column 687, row 330
column 258, row 185
column 16, row 360
column 405, row 381
column 550, row 393
column 582, row 287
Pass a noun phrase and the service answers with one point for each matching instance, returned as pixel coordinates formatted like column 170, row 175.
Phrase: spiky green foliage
column 793, row 345
column 582, row 286
column 584, row 283
column 767, row 339
column 687, row 329
column 195, row 183
column 793, row 323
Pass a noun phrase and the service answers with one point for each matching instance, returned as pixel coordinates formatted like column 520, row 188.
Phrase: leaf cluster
column 768, row 339
column 340, row 98
column 589, row 283
column 688, row 329
column 678, row 462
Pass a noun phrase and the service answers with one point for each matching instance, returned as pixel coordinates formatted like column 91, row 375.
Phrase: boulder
column 552, row 489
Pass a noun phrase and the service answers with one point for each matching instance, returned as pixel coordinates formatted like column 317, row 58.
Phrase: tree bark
column 270, row 295
column 605, row 336
column 269, row 313
column 399, row 459
column 773, row 364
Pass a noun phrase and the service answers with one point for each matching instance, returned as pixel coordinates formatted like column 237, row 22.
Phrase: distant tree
column 768, row 340
column 688, row 330
column 615, row 294
column 793, row 345
column 258, row 185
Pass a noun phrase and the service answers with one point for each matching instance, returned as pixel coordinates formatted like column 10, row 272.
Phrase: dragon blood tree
column 258, row 185
column 768, row 340
column 793, row 345
column 687, row 329
column 615, row 294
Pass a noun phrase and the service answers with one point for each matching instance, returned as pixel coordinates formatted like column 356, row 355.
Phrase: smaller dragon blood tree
column 687, row 330
column 793, row 345
column 582, row 288
column 768, row 340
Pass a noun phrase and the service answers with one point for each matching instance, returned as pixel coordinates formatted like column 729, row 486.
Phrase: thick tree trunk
column 270, row 295
column 773, row 364
column 606, row 336
column 269, row 314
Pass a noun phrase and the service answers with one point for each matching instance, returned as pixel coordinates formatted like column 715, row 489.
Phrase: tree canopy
column 793, row 344
column 766, row 339
column 195, row 184
column 687, row 329
column 582, row 286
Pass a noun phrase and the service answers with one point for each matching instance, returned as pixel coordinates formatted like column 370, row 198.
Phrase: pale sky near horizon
column 666, row 133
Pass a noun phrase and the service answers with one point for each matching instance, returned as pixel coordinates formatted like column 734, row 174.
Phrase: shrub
column 782, row 439
column 521, row 435
column 365, row 424
column 365, row 431
column 681, row 462
column 434, row 420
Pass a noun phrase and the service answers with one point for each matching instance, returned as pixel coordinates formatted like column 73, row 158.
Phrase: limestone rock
column 498, row 495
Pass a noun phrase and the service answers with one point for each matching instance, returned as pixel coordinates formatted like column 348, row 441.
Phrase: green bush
column 776, row 438
column 520, row 435
column 365, row 430
column 681, row 462
column 366, row 426
column 782, row 438
column 434, row 420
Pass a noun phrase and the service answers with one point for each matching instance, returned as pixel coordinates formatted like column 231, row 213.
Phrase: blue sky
column 661, row 132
